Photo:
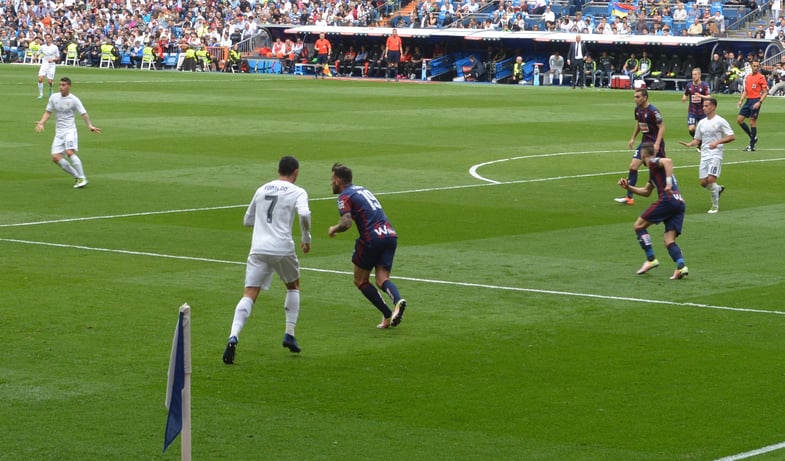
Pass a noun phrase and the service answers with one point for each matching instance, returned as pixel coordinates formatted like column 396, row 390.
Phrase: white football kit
column 64, row 109
column 49, row 55
column 709, row 131
column 271, row 213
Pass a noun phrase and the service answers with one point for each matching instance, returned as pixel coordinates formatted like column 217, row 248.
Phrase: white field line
column 411, row 279
column 472, row 171
column 751, row 453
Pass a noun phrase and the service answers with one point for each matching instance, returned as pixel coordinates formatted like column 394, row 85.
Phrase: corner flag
column 178, row 386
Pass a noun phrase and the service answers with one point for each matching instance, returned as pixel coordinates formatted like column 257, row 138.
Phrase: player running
column 668, row 209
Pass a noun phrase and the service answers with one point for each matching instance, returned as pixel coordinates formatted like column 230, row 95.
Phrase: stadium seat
column 148, row 62
column 71, row 58
column 107, row 60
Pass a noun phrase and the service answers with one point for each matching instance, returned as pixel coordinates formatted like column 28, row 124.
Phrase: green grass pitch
column 528, row 335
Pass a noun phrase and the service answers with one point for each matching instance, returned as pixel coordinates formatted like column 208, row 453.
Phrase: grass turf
column 528, row 335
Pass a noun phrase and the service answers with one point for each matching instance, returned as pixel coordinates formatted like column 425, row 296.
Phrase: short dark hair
column 66, row 80
column 342, row 172
column 643, row 91
column 647, row 148
column 287, row 165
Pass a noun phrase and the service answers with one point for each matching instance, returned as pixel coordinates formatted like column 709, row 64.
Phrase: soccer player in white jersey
column 50, row 55
column 271, row 214
column 711, row 134
column 66, row 143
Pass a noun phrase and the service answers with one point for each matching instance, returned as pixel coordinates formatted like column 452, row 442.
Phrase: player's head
column 647, row 152
column 696, row 74
column 755, row 67
column 65, row 86
column 341, row 177
column 641, row 96
column 288, row 165
column 709, row 105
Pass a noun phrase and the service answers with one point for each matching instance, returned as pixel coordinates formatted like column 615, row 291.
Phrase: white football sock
column 292, row 308
column 77, row 163
column 241, row 314
column 41, row 89
column 67, row 167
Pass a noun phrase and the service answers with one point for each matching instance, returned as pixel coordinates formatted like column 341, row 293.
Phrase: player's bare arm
column 344, row 224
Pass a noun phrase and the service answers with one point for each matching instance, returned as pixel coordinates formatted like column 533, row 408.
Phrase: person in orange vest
column 323, row 50
column 392, row 53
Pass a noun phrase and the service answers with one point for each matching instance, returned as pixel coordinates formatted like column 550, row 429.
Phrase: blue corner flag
column 178, row 390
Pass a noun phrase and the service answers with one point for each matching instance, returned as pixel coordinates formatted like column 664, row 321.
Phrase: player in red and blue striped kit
column 696, row 91
column 668, row 209
column 648, row 121
column 374, row 249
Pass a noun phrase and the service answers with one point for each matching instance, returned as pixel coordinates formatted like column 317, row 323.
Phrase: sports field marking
column 411, row 279
column 750, row 454
column 474, row 169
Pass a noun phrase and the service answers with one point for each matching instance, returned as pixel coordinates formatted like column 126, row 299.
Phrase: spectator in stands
column 760, row 32
column 603, row 28
column 680, row 13
column 517, row 71
column 777, row 84
column 696, row 28
column 718, row 24
column 776, row 6
column 136, row 54
column 575, row 59
column 477, row 71
column 555, row 68
column 771, row 32
column 375, row 61
column 548, row 15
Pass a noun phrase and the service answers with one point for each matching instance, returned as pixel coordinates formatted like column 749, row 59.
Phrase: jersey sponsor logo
column 384, row 230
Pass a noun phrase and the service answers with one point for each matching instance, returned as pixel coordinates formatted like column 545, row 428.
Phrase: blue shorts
column 747, row 111
column 322, row 58
column 669, row 211
column 693, row 119
column 378, row 253
column 660, row 153
column 393, row 56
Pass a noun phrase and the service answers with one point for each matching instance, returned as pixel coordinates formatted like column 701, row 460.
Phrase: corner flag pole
column 178, row 386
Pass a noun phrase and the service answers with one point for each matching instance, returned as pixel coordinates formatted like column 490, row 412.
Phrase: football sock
column 77, row 163
column 67, row 167
column 292, row 309
column 375, row 298
column 391, row 290
column 675, row 251
column 241, row 314
column 714, row 189
column 746, row 128
column 632, row 179
column 753, row 134
column 692, row 132
column 645, row 240
column 41, row 89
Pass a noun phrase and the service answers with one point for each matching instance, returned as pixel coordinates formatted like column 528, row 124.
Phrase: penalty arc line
column 413, row 279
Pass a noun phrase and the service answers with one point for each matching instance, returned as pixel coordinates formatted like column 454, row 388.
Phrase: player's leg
column 41, row 75
column 709, row 172
column 641, row 228
column 258, row 275
column 672, row 230
column 382, row 276
column 364, row 260
column 288, row 269
column 754, row 129
column 71, row 147
column 632, row 177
